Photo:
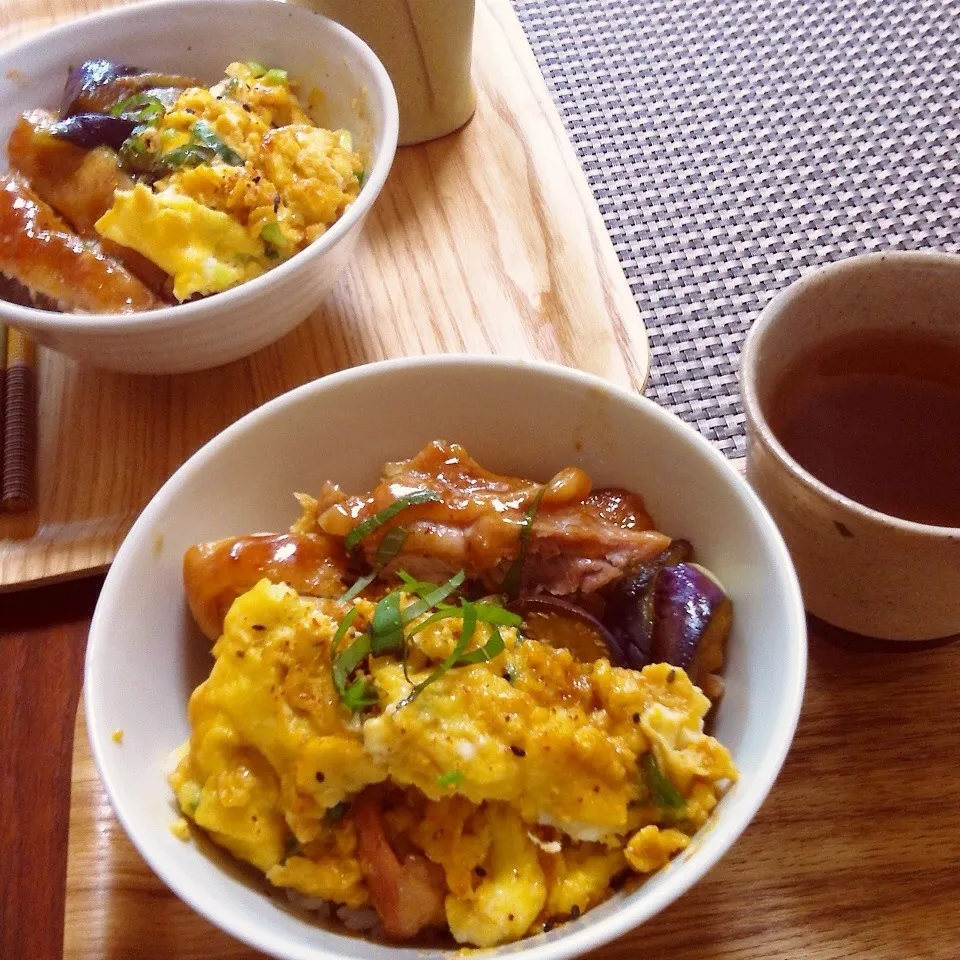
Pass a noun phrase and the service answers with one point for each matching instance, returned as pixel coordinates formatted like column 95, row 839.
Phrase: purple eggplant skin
column 83, row 81
column 691, row 620
column 93, row 130
column 97, row 85
column 629, row 612
column 549, row 606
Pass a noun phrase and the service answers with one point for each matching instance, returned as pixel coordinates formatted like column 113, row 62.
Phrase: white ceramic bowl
column 199, row 38
column 144, row 656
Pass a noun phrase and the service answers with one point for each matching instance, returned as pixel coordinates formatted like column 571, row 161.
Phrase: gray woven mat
column 732, row 145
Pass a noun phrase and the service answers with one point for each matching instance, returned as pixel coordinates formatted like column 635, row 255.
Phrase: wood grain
column 42, row 636
column 487, row 241
column 854, row 855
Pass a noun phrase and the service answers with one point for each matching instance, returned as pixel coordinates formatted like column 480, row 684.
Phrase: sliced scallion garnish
column 363, row 530
column 203, row 134
column 140, row 107
column 511, row 582
column 390, row 546
column 466, row 635
column 433, row 597
column 272, row 234
column 492, row 648
column 452, row 778
column 386, row 625
column 664, row 793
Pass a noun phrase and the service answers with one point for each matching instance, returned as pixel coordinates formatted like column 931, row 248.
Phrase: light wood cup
column 859, row 569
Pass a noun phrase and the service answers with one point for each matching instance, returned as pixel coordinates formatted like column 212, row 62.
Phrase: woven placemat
column 733, row 144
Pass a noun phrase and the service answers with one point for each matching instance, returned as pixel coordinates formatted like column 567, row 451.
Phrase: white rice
column 356, row 919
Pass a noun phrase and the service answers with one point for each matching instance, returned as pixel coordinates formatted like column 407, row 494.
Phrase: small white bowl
column 144, row 656
column 199, row 38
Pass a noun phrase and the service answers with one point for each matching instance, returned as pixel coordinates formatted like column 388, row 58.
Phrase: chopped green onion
column 420, row 587
column 204, row 136
column 511, row 582
column 466, row 635
column 488, row 612
column 664, row 793
column 257, row 69
column 189, row 155
column 492, row 648
column 140, row 107
column 362, row 177
column 270, row 233
column 386, row 625
column 343, row 664
column 359, row 695
column 275, row 77
column 448, row 613
column 452, row 778
column 133, row 145
column 363, row 530
column 431, row 599
column 390, row 546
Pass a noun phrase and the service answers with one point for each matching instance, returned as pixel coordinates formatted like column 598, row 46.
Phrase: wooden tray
column 487, row 241
column 853, row 856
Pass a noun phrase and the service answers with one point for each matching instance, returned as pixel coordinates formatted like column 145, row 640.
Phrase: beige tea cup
column 859, row 569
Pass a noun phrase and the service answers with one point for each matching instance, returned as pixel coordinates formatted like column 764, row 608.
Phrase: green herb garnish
column 386, row 625
column 466, row 635
column 511, row 582
column 343, row 664
column 363, row 530
column 362, row 177
column 492, row 648
column 272, row 234
column 140, row 107
column 664, row 793
column 359, row 695
column 452, row 778
column 275, row 77
column 203, row 134
column 432, row 597
column 390, row 546
column 386, row 633
column 257, row 69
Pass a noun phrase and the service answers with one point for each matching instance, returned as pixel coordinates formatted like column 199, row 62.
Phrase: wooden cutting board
column 853, row 857
column 487, row 241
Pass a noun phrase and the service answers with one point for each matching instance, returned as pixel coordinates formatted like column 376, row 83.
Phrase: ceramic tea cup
column 859, row 569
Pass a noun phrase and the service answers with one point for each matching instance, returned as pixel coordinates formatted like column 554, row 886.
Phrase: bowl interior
column 144, row 657
column 199, row 38
column 341, row 84
column 894, row 291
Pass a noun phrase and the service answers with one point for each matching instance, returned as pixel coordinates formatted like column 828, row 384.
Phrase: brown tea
column 876, row 417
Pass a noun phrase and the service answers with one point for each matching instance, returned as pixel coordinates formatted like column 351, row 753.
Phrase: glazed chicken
column 580, row 540
column 215, row 574
column 41, row 252
column 79, row 183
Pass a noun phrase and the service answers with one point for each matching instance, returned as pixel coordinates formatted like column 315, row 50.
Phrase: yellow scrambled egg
column 527, row 778
column 249, row 180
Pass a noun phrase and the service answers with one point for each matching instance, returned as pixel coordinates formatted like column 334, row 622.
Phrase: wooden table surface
column 856, row 854
column 867, row 804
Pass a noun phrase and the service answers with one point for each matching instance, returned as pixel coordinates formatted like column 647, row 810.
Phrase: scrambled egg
column 525, row 778
column 249, row 181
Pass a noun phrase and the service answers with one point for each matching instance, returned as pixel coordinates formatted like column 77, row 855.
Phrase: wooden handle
column 20, row 425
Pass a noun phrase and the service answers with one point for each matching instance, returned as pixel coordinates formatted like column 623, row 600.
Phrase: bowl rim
column 753, row 408
column 170, row 316
column 579, row 939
